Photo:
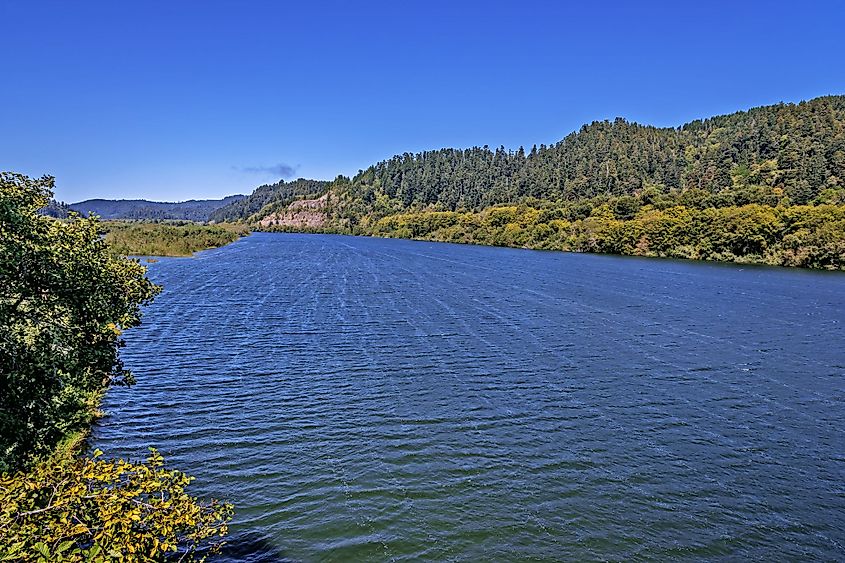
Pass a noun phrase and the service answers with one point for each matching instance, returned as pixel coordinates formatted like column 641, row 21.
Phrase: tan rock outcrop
column 310, row 213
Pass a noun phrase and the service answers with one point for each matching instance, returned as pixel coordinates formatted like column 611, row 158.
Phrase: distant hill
column 57, row 209
column 191, row 210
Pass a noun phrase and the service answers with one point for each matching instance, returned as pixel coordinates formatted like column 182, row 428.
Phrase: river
column 363, row 399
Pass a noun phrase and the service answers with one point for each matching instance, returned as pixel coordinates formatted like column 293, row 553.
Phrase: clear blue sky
column 176, row 100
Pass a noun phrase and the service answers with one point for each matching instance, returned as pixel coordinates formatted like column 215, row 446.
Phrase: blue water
column 371, row 400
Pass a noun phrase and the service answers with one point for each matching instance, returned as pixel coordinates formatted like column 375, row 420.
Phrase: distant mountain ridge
column 139, row 209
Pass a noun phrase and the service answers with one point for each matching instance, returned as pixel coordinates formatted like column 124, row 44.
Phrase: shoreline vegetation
column 65, row 299
column 168, row 238
column 807, row 236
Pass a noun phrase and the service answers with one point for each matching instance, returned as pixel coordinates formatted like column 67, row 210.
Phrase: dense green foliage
column 766, row 185
column 65, row 298
column 144, row 210
column 797, row 148
column 95, row 510
column 168, row 238
column 269, row 198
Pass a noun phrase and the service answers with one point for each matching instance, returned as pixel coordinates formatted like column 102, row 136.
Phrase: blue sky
column 178, row 100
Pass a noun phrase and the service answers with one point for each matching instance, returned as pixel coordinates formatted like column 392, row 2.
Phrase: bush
column 168, row 239
column 97, row 510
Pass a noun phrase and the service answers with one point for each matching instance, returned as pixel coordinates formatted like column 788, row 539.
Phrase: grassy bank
column 173, row 238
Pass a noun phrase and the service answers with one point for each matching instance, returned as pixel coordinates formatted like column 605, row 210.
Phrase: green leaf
column 94, row 551
column 42, row 548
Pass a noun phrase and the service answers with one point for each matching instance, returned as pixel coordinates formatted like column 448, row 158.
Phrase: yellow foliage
column 90, row 509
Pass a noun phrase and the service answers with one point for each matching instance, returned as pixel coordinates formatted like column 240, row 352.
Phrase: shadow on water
column 251, row 547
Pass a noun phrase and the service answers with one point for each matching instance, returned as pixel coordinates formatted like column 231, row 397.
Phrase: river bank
column 172, row 238
column 805, row 236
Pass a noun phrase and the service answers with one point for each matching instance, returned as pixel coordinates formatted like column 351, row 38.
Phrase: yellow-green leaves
column 810, row 236
column 105, row 510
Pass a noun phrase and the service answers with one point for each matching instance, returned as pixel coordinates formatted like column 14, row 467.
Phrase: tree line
column 799, row 148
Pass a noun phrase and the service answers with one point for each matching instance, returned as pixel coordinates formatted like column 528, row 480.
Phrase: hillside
column 302, row 213
column 270, row 198
column 191, row 210
column 765, row 185
column 798, row 148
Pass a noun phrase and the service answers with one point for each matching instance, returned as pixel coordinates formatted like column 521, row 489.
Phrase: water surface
column 367, row 399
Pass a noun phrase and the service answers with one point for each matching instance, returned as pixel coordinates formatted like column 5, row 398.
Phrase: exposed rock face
column 303, row 213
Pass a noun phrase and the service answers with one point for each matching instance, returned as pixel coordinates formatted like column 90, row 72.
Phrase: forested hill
column 269, row 198
column 191, row 210
column 799, row 148
column 765, row 185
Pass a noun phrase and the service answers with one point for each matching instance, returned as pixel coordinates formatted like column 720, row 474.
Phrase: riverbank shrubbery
column 90, row 509
column 747, row 223
column 65, row 298
column 168, row 238
column 805, row 236
column 756, row 224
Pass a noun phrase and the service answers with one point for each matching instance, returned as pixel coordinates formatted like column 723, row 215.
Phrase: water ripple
column 365, row 399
